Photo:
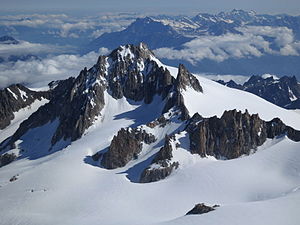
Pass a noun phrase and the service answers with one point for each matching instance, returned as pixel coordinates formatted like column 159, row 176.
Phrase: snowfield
column 66, row 187
column 20, row 116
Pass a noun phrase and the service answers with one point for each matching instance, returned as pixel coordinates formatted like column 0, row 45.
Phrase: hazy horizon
column 156, row 6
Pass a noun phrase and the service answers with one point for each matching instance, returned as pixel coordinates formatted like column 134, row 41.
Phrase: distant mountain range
column 284, row 91
column 147, row 30
column 174, row 28
column 237, row 42
column 177, row 32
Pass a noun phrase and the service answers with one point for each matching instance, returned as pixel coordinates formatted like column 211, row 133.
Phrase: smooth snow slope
column 217, row 98
column 64, row 188
column 20, row 116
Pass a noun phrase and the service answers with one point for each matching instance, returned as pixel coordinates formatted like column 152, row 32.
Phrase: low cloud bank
column 37, row 73
column 255, row 41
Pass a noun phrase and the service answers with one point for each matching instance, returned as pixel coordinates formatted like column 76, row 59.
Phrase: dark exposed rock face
column 161, row 121
column 184, row 79
column 162, row 160
column 276, row 127
column 14, row 98
column 134, row 75
column 284, row 92
column 7, row 158
column 201, row 208
column 125, row 146
column 234, row 134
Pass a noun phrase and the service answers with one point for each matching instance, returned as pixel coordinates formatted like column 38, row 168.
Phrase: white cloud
column 282, row 35
column 251, row 43
column 25, row 48
column 33, row 20
column 69, row 26
column 38, row 73
column 66, row 28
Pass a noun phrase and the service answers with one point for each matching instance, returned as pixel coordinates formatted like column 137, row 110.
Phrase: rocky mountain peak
column 186, row 79
column 131, row 52
column 130, row 72
column 134, row 72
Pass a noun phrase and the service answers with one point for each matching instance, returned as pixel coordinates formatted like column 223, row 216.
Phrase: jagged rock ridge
column 284, row 91
column 14, row 98
column 125, row 146
column 201, row 208
column 234, row 134
column 161, row 165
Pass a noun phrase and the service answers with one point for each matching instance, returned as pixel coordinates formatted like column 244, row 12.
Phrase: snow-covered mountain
column 147, row 30
column 133, row 141
column 284, row 91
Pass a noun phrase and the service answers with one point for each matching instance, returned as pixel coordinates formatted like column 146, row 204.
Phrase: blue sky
column 172, row 6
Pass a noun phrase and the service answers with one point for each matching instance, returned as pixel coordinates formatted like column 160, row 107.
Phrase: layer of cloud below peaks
column 67, row 26
column 255, row 41
column 27, row 48
column 38, row 73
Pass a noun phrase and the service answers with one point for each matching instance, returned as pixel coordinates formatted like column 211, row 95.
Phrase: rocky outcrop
column 201, row 208
column 7, row 158
column 234, row 134
column 125, row 146
column 161, row 166
column 14, row 178
column 134, row 75
column 184, row 80
column 160, row 121
column 276, row 127
column 14, row 98
column 284, row 91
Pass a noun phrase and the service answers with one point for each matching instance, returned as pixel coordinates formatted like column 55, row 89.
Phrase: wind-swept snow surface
column 216, row 98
